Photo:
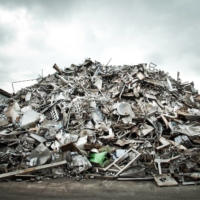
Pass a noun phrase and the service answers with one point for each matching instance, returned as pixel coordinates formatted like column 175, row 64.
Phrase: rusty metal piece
column 32, row 169
column 55, row 66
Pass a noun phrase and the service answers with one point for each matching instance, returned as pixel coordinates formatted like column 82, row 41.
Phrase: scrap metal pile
column 130, row 122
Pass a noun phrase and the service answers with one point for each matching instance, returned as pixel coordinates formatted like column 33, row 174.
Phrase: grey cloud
column 43, row 9
column 11, row 68
column 6, row 61
column 7, row 35
column 157, row 58
column 165, row 32
column 38, row 43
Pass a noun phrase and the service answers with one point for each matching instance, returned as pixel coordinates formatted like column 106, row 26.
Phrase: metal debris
column 130, row 122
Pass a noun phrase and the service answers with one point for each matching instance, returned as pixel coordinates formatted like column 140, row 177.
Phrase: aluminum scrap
column 91, row 108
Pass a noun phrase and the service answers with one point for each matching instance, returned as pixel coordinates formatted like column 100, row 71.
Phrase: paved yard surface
column 66, row 188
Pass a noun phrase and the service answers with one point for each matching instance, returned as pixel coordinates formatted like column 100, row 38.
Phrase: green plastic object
column 99, row 158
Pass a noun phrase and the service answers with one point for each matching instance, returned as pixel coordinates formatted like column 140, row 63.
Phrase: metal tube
column 57, row 69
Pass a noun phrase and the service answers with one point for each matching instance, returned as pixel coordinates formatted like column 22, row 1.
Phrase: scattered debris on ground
column 130, row 122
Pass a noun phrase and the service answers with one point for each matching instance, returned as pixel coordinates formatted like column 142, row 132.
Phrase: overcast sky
column 35, row 34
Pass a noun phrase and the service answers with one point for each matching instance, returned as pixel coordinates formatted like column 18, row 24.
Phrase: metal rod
column 32, row 169
column 20, row 82
column 108, row 61
column 136, row 179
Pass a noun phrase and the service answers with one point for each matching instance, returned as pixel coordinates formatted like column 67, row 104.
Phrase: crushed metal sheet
column 42, row 153
column 164, row 180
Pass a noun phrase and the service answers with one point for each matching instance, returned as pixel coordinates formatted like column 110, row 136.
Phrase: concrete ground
column 66, row 188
